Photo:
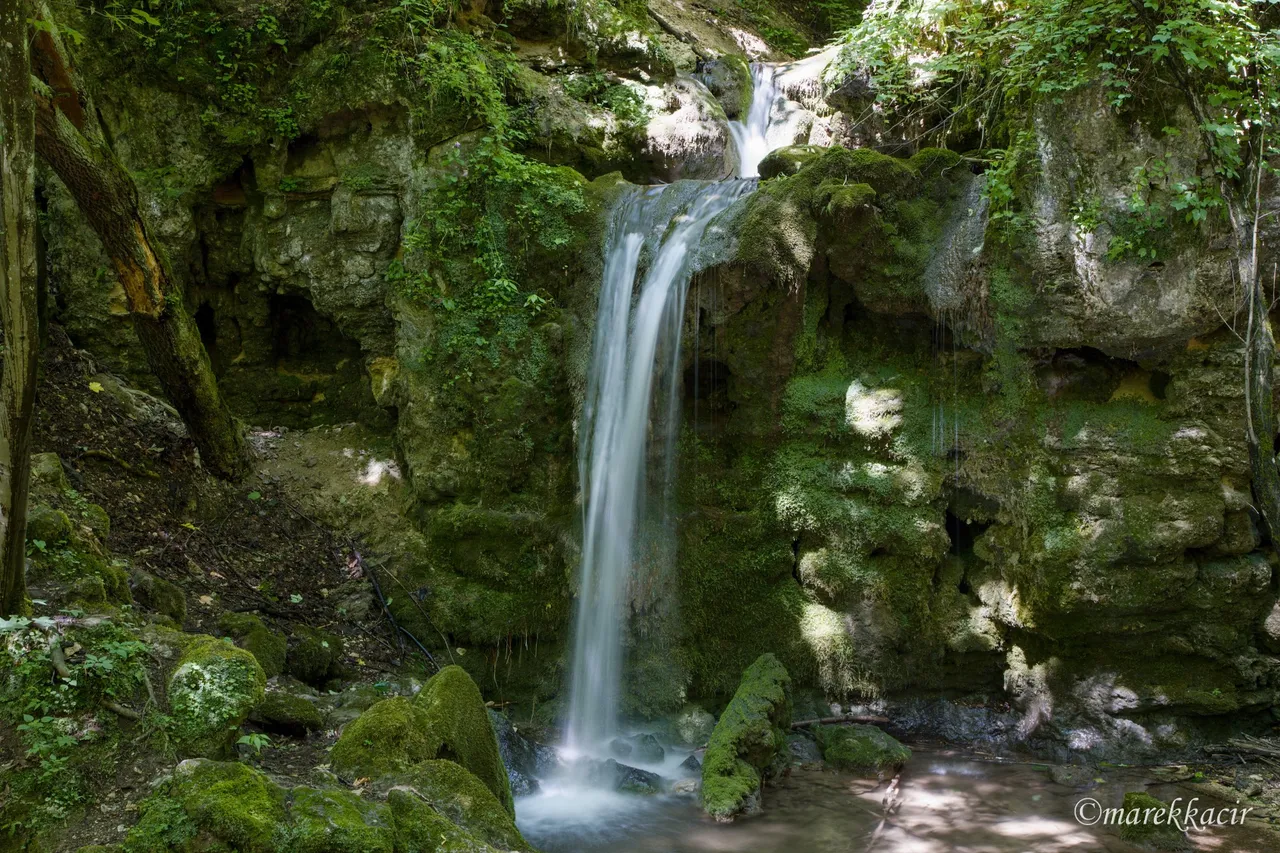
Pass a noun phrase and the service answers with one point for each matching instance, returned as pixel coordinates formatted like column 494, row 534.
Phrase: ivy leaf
column 253, row 496
column 95, row 387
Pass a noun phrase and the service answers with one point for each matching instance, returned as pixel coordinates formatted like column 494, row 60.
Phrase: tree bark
column 70, row 139
column 18, row 313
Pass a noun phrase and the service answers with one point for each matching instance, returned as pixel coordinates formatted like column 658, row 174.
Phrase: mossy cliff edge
column 924, row 458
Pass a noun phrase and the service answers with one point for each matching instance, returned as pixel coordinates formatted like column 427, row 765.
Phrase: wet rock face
column 688, row 135
column 525, row 760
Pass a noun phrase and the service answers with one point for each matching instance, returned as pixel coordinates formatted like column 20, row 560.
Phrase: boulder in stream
column 747, row 740
column 861, row 748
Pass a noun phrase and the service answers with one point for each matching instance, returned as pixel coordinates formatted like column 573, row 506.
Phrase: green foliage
column 489, row 211
column 969, row 58
column 786, row 40
column 61, row 725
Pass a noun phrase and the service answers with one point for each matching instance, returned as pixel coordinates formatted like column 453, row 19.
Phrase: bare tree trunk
column 18, row 315
column 70, row 139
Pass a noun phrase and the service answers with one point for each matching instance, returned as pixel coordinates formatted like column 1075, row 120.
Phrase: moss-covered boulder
column 861, row 748
column 47, row 526
column 253, row 635
column 788, row 160
column 47, row 476
column 392, row 735
column 337, row 821
column 749, row 736
column 287, row 713
column 1145, row 823
column 314, row 657
column 211, row 692
column 457, row 794
column 460, row 729
column 211, row 805
column 162, row 597
column 421, row 829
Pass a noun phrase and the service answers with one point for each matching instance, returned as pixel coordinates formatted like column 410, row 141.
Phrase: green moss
column 252, row 635
column 1141, row 824
column 234, row 803
column 315, row 656
column 747, row 739
column 392, row 735
column 159, row 595
column 211, row 692
column 422, row 829
column 450, row 790
column 334, row 821
column 287, row 713
column 460, row 729
column 930, row 162
column 860, row 748
column 163, row 825
column 48, row 526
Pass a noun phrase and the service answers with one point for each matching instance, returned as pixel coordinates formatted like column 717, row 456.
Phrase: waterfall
column 752, row 136
column 627, row 434
column 636, row 349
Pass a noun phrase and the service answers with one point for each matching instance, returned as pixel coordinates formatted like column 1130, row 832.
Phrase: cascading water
column 615, row 433
column 752, row 135
column 636, row 347
column 627, row 439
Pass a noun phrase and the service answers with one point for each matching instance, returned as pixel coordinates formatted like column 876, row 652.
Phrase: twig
column 139, row 470
column 382, row 601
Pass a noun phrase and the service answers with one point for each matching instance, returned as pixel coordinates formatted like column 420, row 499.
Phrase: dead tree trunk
column 70, row 139
column 18, row 315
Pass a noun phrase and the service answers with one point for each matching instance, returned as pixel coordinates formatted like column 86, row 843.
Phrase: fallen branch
column 1267, row 747
column 111, row 457
column 835, row 721
column 382, row 602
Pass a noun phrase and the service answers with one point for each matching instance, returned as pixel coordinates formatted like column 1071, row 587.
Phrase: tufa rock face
column 749, row 737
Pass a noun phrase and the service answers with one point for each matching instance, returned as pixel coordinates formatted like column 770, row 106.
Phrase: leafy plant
column 256, row 741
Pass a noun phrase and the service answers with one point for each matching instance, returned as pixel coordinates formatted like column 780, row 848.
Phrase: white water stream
column 627, row 439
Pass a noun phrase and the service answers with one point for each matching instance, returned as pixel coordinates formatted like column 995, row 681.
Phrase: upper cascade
column 752, row 136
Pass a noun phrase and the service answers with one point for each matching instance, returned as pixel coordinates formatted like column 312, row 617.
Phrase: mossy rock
column 454, row 792
column 314, row 656
column 336, row 821
column 211, row 805
column 788, row 160
column 288, row 714
column 46, row 525
column 749, row 736
column 460, row 729
column 211, row 692
column 158, row 594
column 1139, row 825
column 422, row 829
column 253, row 635
column 861, row 748
column 47, row 475
column 98, row 522
column 392, row 735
